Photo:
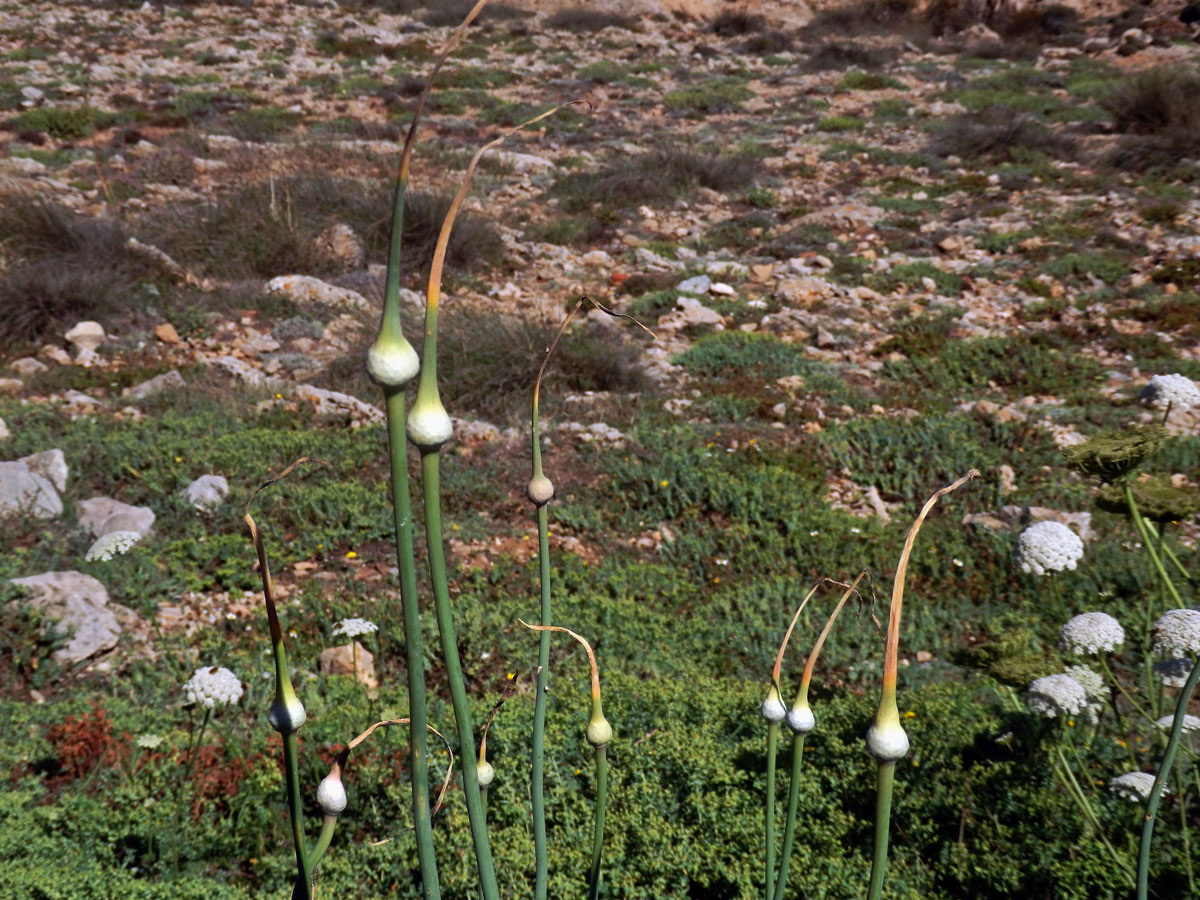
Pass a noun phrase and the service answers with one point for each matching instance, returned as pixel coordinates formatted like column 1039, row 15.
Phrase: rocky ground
column 197, row 198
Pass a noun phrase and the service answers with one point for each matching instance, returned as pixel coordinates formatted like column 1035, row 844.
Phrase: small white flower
column 1178, row 631
column 1090, row 632
column 1048, row 547
column 1057, row 695
column 1171, row 390
column 1093, row 683
column 115, row 543
column 1135, row 786
column 1173, row 672
column 149, row 741
column 1190, row 723
column 212, row 686
column 352, row 628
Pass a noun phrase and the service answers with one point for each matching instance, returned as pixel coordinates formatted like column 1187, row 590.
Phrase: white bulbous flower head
column 1091, row 632
column 485, row 774
column 1092, row 682
column 115, row 543
column 887, row 742
column 801, row 719
column 331, row 794
column 774, row 709
column 1190, row 723
column 212, row 686
column 1177, row 631
column 1135, row 786
column 1173, row 672
column 1175, row 390
column 1048, row 547
column 353, row 628
column 1057, row 695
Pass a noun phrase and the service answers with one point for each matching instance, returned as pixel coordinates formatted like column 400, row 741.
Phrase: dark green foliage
column 64, row 267
column 856, row 80
column 654, row 177
column 715, row 95
column 581, row 19
column 995, row 133
column 268, row 228
column 1106, row 268
column 495, row 360
column 449, row 13
column 730, row 353
column 910, row 275
column 1157, row 113
column 837, row 55
column 1034, row 365
column 61, row 123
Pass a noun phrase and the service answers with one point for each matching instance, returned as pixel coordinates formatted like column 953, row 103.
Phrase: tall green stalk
column 430, row 479
column 594, row 872
column 886, row 739
column 1181, row 707
column 769, row 818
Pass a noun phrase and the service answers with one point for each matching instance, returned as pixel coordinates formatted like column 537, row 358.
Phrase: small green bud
column 429, row 425
column 540, row 490
column 485, row 774
column 599, row 732
column 392, row 364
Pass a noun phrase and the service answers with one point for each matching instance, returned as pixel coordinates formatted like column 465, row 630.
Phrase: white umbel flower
column 1091, row 681
column 1057, row 695
column 1135, row 786
column 1088, row 633
column 1190, row 723
column 352, row 628
column 1048, row 547
column 1178, row 631
column 212, row 686
column 115, row 543
column 1173, row 672
column 1176, row 390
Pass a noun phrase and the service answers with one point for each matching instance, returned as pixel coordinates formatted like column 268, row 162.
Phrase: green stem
column 413, row 643
column 541, row 865
column 303, row 887
column 1148, row 543
column 431, row 481
column 323, row 841
column 789, row 828
column 1121, row 689
column 883, row 816
column 598, row 830
column 1183, row 827
column 1168, row 552
column 769, row 828
column 1067, row 777
column 1143, row 870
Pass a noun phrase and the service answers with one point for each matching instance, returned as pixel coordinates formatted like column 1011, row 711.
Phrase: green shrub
column 729, row 353
column 857, row 80
column 712, row 96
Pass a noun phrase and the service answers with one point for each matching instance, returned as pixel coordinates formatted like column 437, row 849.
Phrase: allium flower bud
column 485, row 774
column 887, row 741
column 773, row 708
column 331, row 793
column 540, row 490
column 393, row 363
column 599, row 731
column 429, row 425
column 1048, row 547
column 1090, row 632
column 286, row 715
column 801, row 719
